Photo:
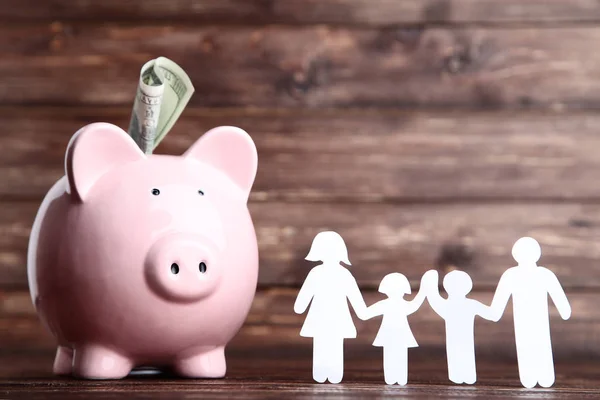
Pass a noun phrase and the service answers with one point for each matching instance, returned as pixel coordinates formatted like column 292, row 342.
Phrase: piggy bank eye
column 155, row 192
column 200, row 192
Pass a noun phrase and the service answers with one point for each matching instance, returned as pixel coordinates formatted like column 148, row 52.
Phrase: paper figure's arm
column 428, row 280
column 437, row 302
column 486, row 312
column 414, row 304
column 306, row 293
column 503, row 293
column 375, row 310
column 355, row 297
column 557, row 294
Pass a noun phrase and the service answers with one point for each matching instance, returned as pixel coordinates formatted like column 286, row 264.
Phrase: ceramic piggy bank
column 139, row 260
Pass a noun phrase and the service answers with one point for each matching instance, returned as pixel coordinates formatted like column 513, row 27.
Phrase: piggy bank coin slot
column 202, row 267
column 174, row 268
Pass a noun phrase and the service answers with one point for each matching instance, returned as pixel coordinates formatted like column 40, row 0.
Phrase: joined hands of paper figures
column 529, row 285
column 329, row 286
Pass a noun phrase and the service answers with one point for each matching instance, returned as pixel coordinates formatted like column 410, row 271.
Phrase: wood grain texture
column 290, row 379
column 384, row 238
column 346, row 12
column 349, row 155
column 306, row 66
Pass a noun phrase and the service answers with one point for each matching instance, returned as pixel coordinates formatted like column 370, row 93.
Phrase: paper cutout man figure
column 530, row 286
column 395, row 335
column 329, row 285
column 459, row 313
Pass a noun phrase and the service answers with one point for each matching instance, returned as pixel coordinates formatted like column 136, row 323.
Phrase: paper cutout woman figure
column 530, row 286
column 394, row 334
column 329, row 286
column 459, row 313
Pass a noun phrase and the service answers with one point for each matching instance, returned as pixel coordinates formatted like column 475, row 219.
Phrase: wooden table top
column 285, row 372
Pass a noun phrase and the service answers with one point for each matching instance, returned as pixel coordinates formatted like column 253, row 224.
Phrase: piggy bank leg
column 63, row 362
column 97, row 362
column 208, row 364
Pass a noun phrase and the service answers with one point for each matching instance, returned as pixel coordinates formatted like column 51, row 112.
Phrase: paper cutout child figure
column 395, row 335
column 459, row 313
column 530, row 286
column 329, row 286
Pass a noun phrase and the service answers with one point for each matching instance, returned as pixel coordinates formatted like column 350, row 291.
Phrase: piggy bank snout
column 182, row 268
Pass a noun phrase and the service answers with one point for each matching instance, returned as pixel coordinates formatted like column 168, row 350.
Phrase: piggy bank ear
column 93, row 151
column 230, row 150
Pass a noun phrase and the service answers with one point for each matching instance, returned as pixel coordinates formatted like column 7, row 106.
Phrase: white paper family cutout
column 459, row 313
column 329, row 322
column 395, row 335
column 329, row 286
column 529, row 285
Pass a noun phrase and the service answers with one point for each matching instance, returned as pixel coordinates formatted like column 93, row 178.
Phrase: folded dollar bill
column 163, row 92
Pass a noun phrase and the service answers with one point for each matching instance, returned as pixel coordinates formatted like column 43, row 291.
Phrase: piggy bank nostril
column 174, row 268
column 202, row 267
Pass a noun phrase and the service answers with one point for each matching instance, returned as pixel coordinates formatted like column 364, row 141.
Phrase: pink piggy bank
column 139, row 260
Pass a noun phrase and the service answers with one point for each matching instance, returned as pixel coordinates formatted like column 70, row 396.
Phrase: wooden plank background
column 312, row 66
column 430, row 134
column 297, row 12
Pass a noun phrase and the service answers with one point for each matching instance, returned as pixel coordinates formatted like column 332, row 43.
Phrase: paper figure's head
column 526, row 251
column 457, row 283
column 394, row 284
column 328, row 247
